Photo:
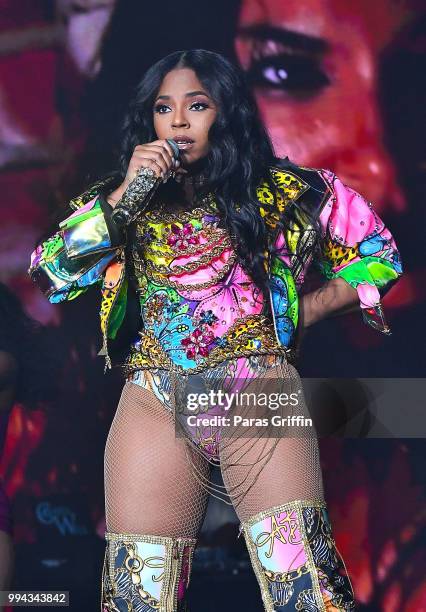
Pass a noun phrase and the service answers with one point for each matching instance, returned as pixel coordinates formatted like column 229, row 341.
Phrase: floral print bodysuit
column 202, row 315
column 198, row 306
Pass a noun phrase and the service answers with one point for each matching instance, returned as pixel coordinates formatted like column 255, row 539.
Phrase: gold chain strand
column 158, row 278
column 189, row 267
column 216, row 360
column 182, row 216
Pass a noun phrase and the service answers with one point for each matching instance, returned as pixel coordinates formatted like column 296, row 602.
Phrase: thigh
column 150, row 487
column 263, row 468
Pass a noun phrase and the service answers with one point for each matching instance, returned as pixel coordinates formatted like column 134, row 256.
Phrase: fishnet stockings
column 149, row 483
column 262, row 472
column 158, row 484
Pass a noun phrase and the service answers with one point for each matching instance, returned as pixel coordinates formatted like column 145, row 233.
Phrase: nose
column 180, row 119
column 366, row 165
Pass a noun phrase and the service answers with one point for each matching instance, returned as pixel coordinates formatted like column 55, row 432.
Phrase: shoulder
column 306, row 188
column 314, row 178
column 101, row 187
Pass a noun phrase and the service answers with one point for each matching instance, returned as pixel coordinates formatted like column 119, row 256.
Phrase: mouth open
column 183, row 142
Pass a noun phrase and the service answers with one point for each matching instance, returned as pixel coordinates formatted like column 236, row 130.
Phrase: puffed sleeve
column 77, row 255
column 358, row 247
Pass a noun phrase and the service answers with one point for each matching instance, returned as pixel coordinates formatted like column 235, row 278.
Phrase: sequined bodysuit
column 198, row 305
column 201, row 312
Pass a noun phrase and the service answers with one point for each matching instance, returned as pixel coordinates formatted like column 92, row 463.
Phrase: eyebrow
column 190, row 94
column 303, row 42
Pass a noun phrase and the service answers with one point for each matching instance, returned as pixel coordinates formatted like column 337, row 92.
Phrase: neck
column 197, row 167
column 189, row 190
column 193, row 179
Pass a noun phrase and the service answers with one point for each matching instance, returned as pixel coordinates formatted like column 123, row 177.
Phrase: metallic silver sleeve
column 137, row 194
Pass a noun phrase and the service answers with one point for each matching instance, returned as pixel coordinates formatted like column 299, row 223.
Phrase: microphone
column 141, row 189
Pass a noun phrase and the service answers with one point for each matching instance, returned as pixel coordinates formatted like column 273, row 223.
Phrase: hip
column 231, row 376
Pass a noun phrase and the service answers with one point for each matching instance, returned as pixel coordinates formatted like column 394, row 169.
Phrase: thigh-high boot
column 146, row 573
column 295, row 559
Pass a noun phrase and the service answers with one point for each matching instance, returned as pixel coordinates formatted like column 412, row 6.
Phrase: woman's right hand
column 157, row 155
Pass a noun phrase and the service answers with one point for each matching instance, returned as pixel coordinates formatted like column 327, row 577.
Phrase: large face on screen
column 314, row 66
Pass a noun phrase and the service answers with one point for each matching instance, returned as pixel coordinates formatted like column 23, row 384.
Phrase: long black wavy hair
column 240, row 149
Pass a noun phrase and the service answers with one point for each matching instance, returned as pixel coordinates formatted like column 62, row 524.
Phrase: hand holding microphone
column 151, row 164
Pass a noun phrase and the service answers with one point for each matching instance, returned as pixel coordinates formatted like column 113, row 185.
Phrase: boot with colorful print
column 295, row 559
column 146, row 573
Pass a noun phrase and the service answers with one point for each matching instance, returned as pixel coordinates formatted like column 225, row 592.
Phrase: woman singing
column 211, row 236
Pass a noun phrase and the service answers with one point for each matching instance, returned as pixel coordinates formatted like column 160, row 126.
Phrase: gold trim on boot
column 294, row 557
column 143, row 569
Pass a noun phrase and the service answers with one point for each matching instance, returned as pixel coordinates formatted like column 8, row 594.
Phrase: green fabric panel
column 281, row 270
column 382, row 272
column 93, row 212
column 371, row 270
column 74, row 293
column 293, row 298
column 52, row 246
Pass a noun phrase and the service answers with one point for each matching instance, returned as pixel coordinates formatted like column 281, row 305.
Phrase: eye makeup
column 164, row 108
column 285, row 61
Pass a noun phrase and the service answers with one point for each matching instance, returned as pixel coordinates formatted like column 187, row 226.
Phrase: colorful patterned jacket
column 88, row 249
